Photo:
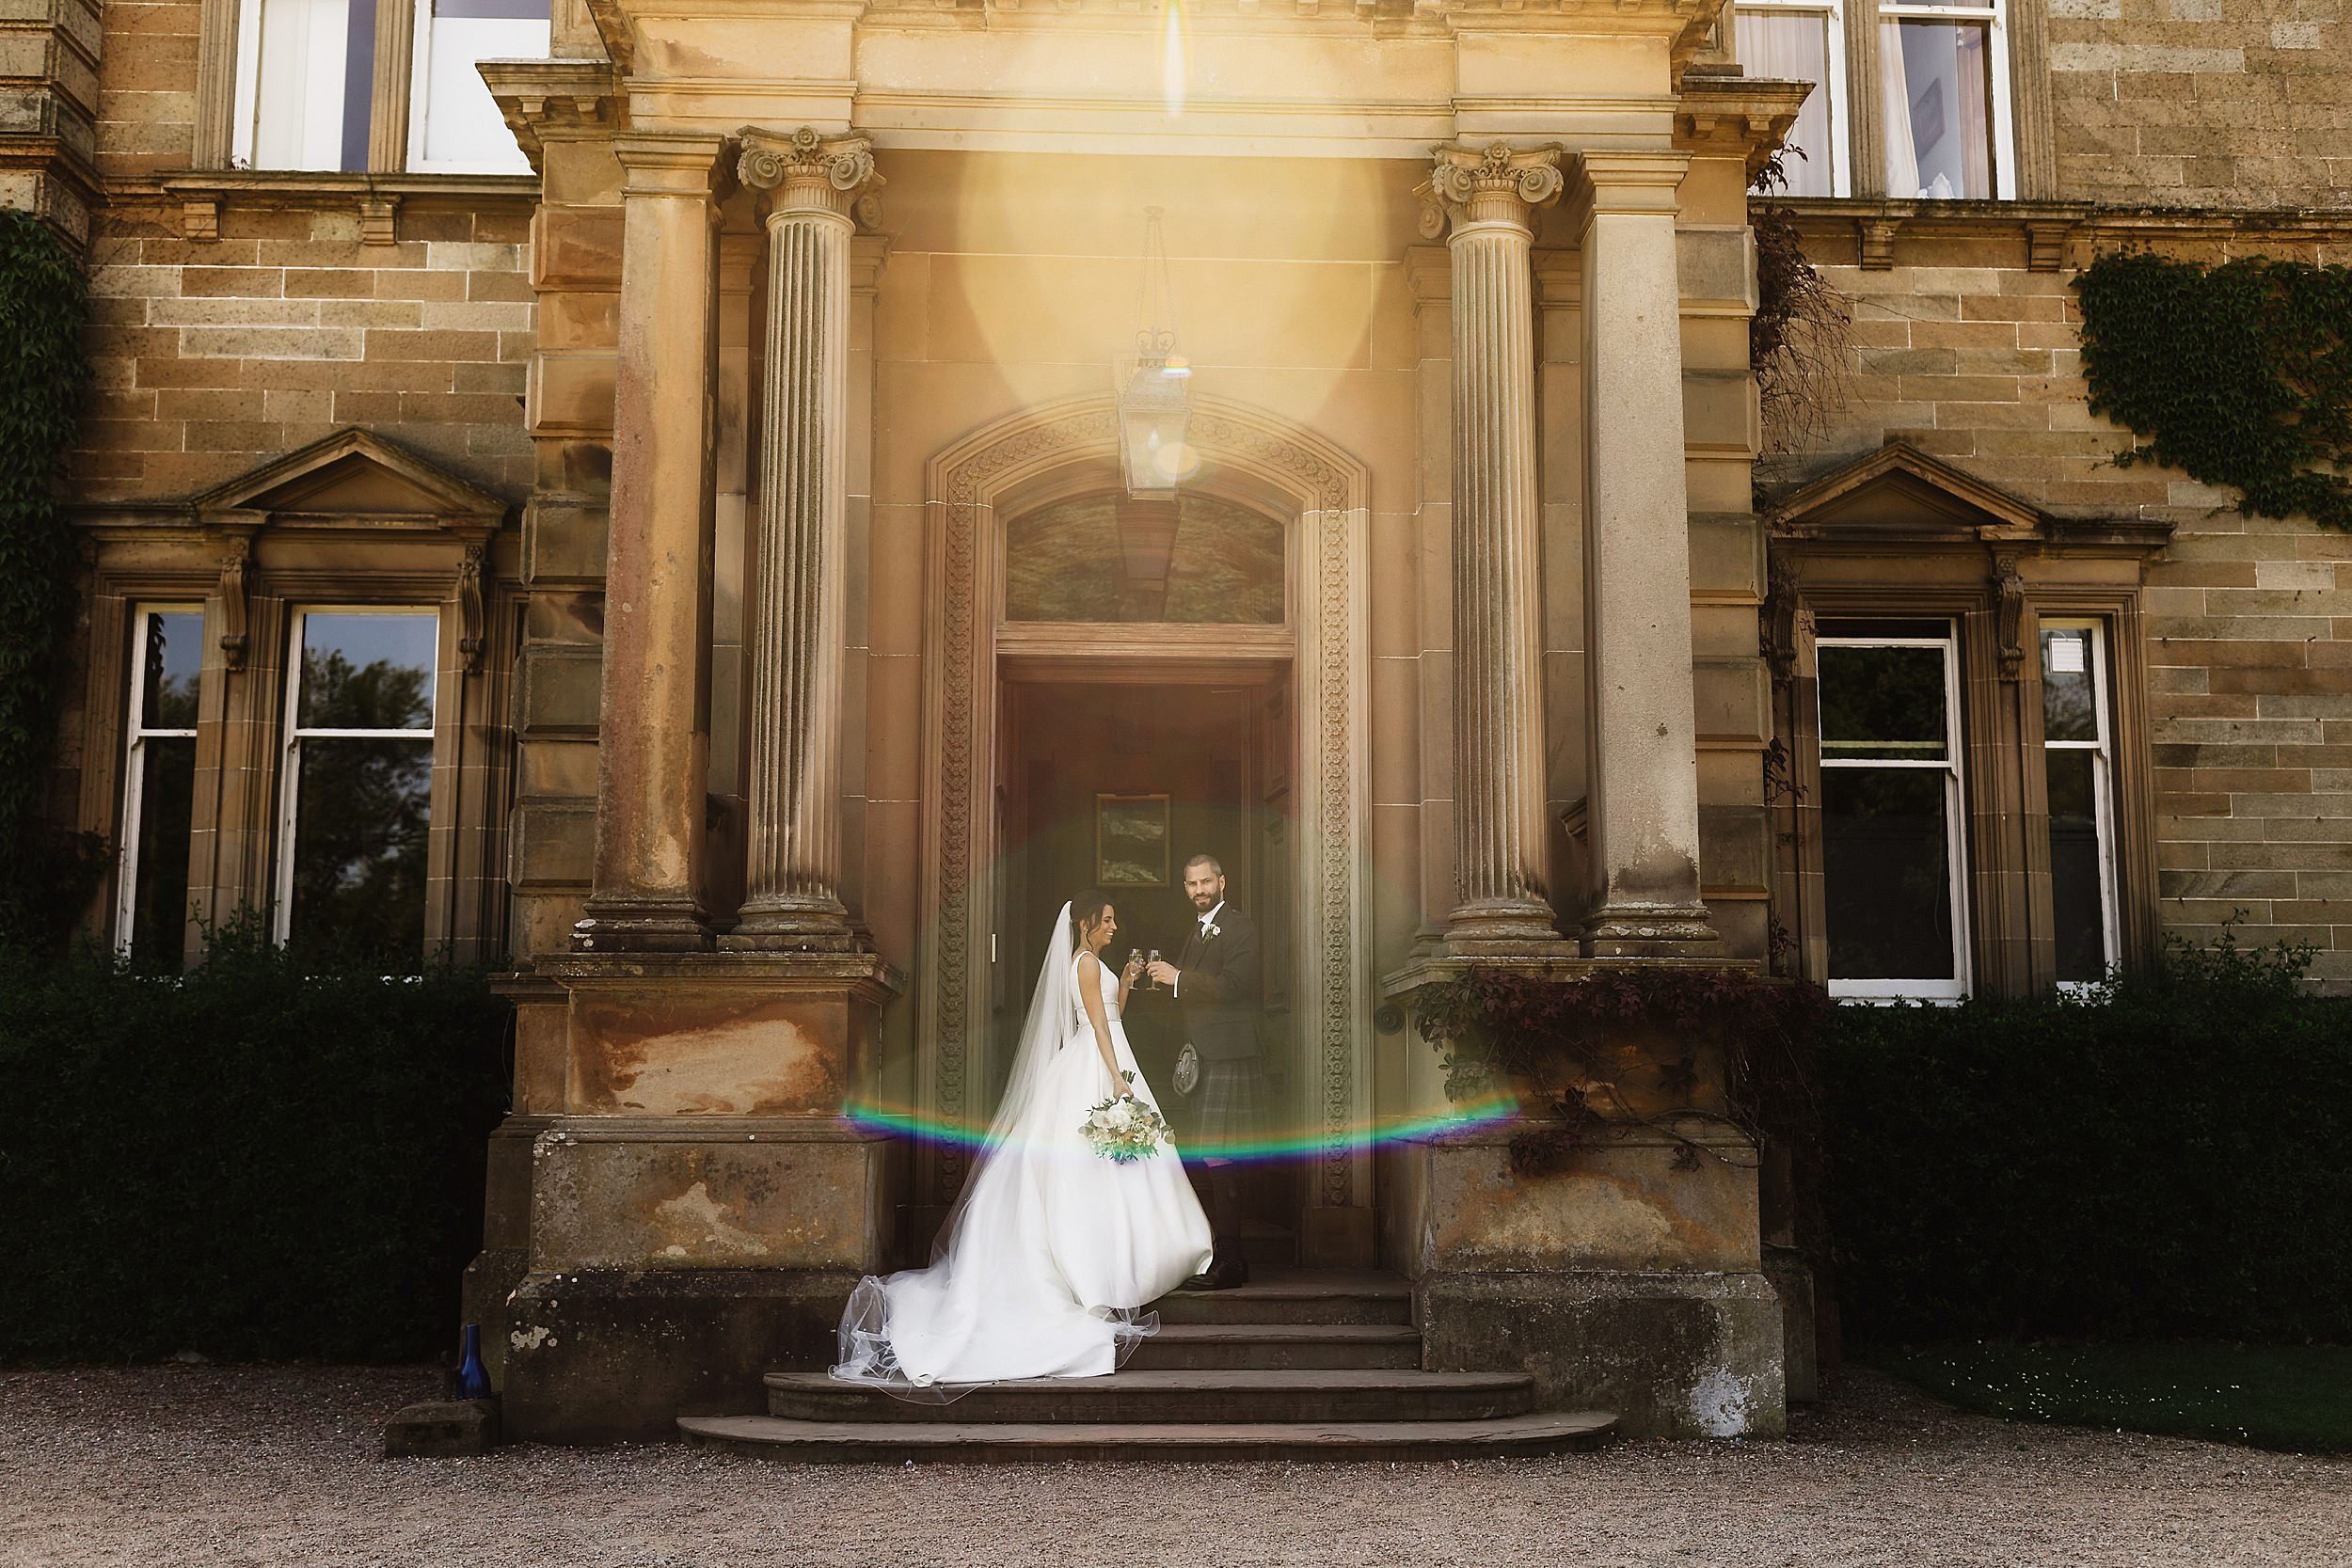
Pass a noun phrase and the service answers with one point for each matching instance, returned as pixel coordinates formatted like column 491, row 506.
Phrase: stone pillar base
column 604, row 1356
column 1630, row 932
column 641, row 925
column 790, row 930
column 1675, row 1353
column 1499, row 929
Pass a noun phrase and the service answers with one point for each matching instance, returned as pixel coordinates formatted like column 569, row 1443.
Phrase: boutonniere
column 1212, row 931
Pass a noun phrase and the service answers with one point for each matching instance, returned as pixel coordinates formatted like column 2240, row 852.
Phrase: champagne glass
column 1134, row 957
column 1155, row 958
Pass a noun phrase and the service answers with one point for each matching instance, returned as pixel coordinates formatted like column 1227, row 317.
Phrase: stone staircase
column 1294, row 1364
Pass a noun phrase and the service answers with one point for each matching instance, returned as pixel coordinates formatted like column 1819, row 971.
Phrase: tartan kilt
column 1231, row 1107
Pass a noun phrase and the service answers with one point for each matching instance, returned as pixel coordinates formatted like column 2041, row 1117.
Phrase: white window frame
column 245, row 131
column 420, row 104
column 134, row 769
column 1953, row 765
column 1841, row 117
column 1995, row 14
column 289, row 753
column 2102, row 786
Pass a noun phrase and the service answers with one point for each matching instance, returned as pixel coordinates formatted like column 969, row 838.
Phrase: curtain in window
column 1937, row 81
column 313, row 82
column 1793, row 46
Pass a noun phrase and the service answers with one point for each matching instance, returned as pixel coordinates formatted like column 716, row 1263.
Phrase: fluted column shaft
column 654, row 711
column 1643, row 813
column 1485, row 202
column 795, row 602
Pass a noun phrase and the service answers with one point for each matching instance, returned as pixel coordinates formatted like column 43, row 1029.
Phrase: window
column 1945, row 75
column 159, row 787
column 1196, row 559
column 454, row 123
column 1894, row 885
column 2078, row 767
column 1943, row 85
column 357, row 782
column 1804, row 43
column 308, row 73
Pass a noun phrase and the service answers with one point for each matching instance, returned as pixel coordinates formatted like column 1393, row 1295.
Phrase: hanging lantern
column 1154, row 387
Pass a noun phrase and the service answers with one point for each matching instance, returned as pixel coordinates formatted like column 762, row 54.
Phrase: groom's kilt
column 1232, row 1100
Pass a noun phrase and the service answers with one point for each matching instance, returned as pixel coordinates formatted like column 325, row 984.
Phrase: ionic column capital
column 808, row 173
column 1495, row 185
column 1647, row 184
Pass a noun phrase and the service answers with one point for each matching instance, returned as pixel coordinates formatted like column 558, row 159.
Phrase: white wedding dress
column 1047, row 1257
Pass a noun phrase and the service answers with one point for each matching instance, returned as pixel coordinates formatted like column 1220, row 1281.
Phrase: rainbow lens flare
column 932, row 1129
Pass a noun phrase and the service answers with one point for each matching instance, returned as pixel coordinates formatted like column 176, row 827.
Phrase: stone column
column 814, row 185
column 655, row 713
column 1483, row 202
column 1644, row 811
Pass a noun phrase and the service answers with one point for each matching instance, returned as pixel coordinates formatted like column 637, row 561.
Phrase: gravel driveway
column 165, row 1467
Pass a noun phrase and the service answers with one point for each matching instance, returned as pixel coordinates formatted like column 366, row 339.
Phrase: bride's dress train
column 1044, row 1264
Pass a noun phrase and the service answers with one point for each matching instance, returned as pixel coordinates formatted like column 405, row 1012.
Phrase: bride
column 1051, row 1250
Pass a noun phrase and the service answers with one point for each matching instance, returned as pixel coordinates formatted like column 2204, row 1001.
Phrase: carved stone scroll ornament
column 1496, row 185
column 470, row 609
column 236, row 559
column 811, row 172
column 1782, row 601
column 2010, row 588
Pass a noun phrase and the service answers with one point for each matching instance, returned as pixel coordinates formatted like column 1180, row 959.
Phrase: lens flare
column 1172, row 59
column 932, row 1129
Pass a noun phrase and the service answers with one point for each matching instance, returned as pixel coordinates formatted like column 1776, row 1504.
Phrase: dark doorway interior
column 1084, row 764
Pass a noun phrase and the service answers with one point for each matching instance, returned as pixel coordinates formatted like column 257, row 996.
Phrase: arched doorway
column 1271, row 690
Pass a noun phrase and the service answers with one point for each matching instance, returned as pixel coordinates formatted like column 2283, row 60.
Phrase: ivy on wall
column 2238, row 374
column 43, row 304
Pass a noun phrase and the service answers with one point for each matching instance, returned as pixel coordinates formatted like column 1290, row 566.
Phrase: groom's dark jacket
column 1220, row 990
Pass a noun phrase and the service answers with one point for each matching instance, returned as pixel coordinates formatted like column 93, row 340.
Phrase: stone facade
column 2214, row 103
column 1964, row 353
column 704, row 437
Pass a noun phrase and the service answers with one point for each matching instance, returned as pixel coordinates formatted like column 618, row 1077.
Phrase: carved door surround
column 1248, row 457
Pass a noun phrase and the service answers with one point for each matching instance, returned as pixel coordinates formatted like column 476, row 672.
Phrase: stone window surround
column 249, row 569
column 2025, row 26
column 565, row 96
column 1995, row 577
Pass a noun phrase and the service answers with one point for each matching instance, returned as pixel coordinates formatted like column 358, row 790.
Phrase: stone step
column 1171, row 1398
column 1297, row 1296
column 980, row 1442
column 1277, row 1347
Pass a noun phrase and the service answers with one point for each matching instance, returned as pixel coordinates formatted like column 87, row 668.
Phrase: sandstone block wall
column 1964, row 351
column 2202, row 103
column 214, row 356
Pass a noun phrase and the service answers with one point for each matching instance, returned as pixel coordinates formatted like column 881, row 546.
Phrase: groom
column 1216, row 982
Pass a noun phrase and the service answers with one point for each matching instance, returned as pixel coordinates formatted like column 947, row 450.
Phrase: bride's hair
column 1086, row 911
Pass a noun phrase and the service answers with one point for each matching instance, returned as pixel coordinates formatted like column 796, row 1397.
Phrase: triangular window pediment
column 1900, row 492
column 354, row 479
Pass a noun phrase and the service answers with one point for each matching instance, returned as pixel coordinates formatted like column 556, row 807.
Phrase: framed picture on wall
column 1131, row 840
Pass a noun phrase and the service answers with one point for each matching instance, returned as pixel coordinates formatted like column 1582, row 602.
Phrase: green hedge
column 2172, row 1157
column 250, row 1162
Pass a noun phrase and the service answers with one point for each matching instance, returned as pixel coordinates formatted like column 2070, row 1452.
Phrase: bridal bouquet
column 1124, row 1129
